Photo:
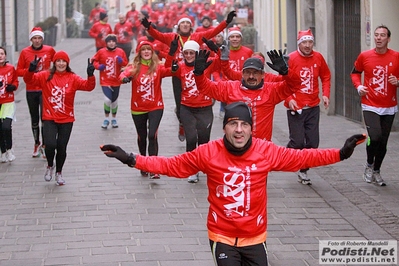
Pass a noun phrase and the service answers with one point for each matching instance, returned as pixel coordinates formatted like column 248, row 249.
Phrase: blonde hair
column 136, row 63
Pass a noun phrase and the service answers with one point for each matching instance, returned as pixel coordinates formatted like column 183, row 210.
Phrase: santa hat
column 234, row 30
column 185, row 18
column 191, row 45
column 61, row 55
column 305, row 35
column 143, row 43
column 36, row 31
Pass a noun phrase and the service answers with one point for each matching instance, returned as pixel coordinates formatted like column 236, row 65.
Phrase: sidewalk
column 107, row 214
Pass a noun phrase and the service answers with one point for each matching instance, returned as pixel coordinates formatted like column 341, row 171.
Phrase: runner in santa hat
column 303, row 110
column 184, row 33
column 33, row 92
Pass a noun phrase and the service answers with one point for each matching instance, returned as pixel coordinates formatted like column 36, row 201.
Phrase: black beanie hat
column 110, row 37
column 103, row 15
column 237, row 111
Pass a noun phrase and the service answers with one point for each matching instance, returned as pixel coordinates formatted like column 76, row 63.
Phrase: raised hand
column 200, row 63
column 146, row 23
column 278, row 63
column 346, row 151
column 230, row 17
column 117, row 152
column 211, row 45
column 90, row 68
column 33, row 64
column 175, row 65
column 174, row 45
column 224, row 52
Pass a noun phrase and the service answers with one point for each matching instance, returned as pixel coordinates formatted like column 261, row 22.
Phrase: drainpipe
column 3, row 24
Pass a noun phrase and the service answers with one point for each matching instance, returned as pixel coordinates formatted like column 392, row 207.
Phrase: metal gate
column 347, row 48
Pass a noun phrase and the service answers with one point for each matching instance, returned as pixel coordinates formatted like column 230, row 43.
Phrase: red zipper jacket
column 309, row 69
column 146, row 90
column 58, row 94
column 377, row 68
column 237, row 185
column 262, row 101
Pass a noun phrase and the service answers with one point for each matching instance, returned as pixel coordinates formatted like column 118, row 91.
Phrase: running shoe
column 303, row 178
column 10, row 155
column 114, row 124
column 181, row 135
column 143, row 173
column 105, row 124
column 154, row 176
column 193, row 178
column 3, row 158
column 49, row 173
column 58, row 178
column 36, row 150
column 378, row 179
column 368, row 174
column 43, row 152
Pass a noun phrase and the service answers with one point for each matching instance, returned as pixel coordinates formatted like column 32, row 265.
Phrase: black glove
column 224, row 52
column 33, row 64
column 211, row 45
column 125, row 33
column 174, row 45
column 146, row 23
column 175, row 66
column 278, row 63
column 230, row 17
column 346, row 151
column 200, row 63
column 100, row 35
column 90, row 68
column 117, row 152
column 1, row 83
column 10, row 87
column 126, row 80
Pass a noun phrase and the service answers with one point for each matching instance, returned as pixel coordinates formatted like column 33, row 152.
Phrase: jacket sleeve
column 209, row 33
column 126, row 73
column 32, row 78
column 216, row 90
column 286, row 159
column 95, row 59
column 165, row 38
column 85, row 85
column 325, row 77
column 14, row 80
column 228, row 72
column 180, row 166
column 21, row 68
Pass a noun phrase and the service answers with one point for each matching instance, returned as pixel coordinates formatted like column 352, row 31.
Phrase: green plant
column 248, row 35
column 48, row 23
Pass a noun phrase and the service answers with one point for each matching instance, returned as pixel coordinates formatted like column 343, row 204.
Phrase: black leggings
column 5, row 134
column 34, row 99
column 56, row 137
column 140, row 121
column 197, row 124
column 378, row 128
column 226, row 255
column 176, row 83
